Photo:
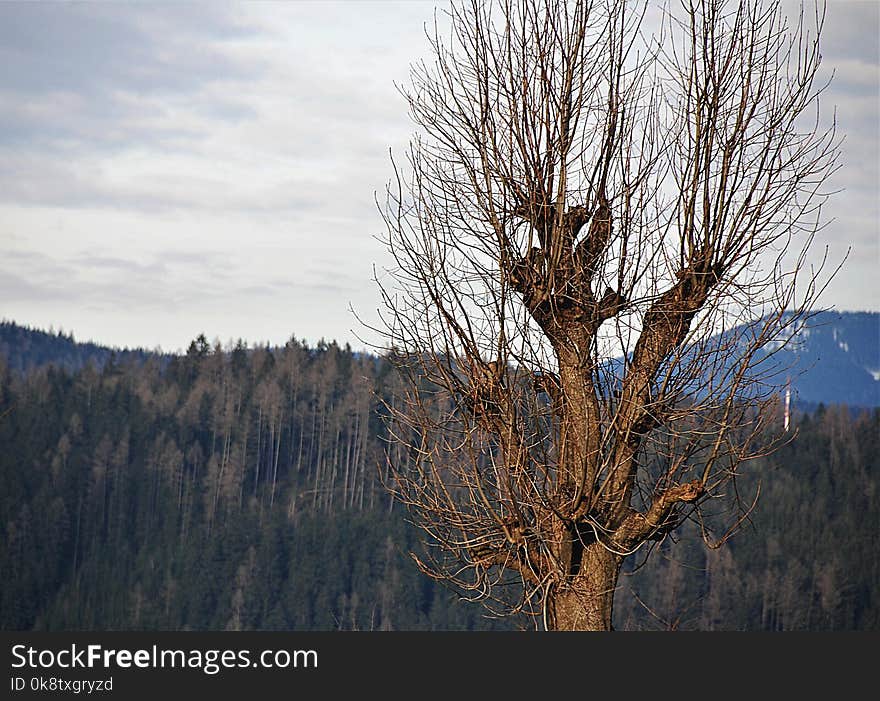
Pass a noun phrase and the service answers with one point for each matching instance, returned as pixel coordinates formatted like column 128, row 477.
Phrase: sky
column 174, row 169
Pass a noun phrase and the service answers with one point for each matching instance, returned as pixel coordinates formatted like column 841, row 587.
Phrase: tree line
column 242, row 488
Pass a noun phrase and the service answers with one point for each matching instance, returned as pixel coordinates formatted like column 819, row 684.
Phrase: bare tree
column 595, row 233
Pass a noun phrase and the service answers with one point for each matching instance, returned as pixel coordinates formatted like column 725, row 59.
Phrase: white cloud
column 166, row 170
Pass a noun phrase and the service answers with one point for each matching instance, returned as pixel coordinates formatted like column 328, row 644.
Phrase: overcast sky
column 167, row 170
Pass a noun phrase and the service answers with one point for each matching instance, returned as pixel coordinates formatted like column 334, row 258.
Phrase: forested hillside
column 24, row 348
column 228, row 490
column 241, row 489
column 808, row 558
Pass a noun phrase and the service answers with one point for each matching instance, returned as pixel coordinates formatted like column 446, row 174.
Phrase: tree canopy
column 587, row 215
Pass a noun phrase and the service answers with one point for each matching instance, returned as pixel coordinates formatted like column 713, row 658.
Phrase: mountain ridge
column 834, row 359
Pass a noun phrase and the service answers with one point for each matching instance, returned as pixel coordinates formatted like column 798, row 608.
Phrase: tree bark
column 587, row 600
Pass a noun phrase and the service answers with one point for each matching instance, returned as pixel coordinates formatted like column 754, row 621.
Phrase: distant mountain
column 24, row 348
column 835, row 359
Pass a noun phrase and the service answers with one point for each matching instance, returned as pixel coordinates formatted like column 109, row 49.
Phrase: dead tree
column 596, row 232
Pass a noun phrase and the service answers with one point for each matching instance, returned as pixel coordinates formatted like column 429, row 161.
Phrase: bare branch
column 599, row 238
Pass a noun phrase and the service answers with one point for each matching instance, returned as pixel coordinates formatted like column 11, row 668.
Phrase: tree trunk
column 586, row 601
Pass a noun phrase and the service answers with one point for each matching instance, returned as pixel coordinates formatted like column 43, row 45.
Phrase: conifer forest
column 241, row 488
